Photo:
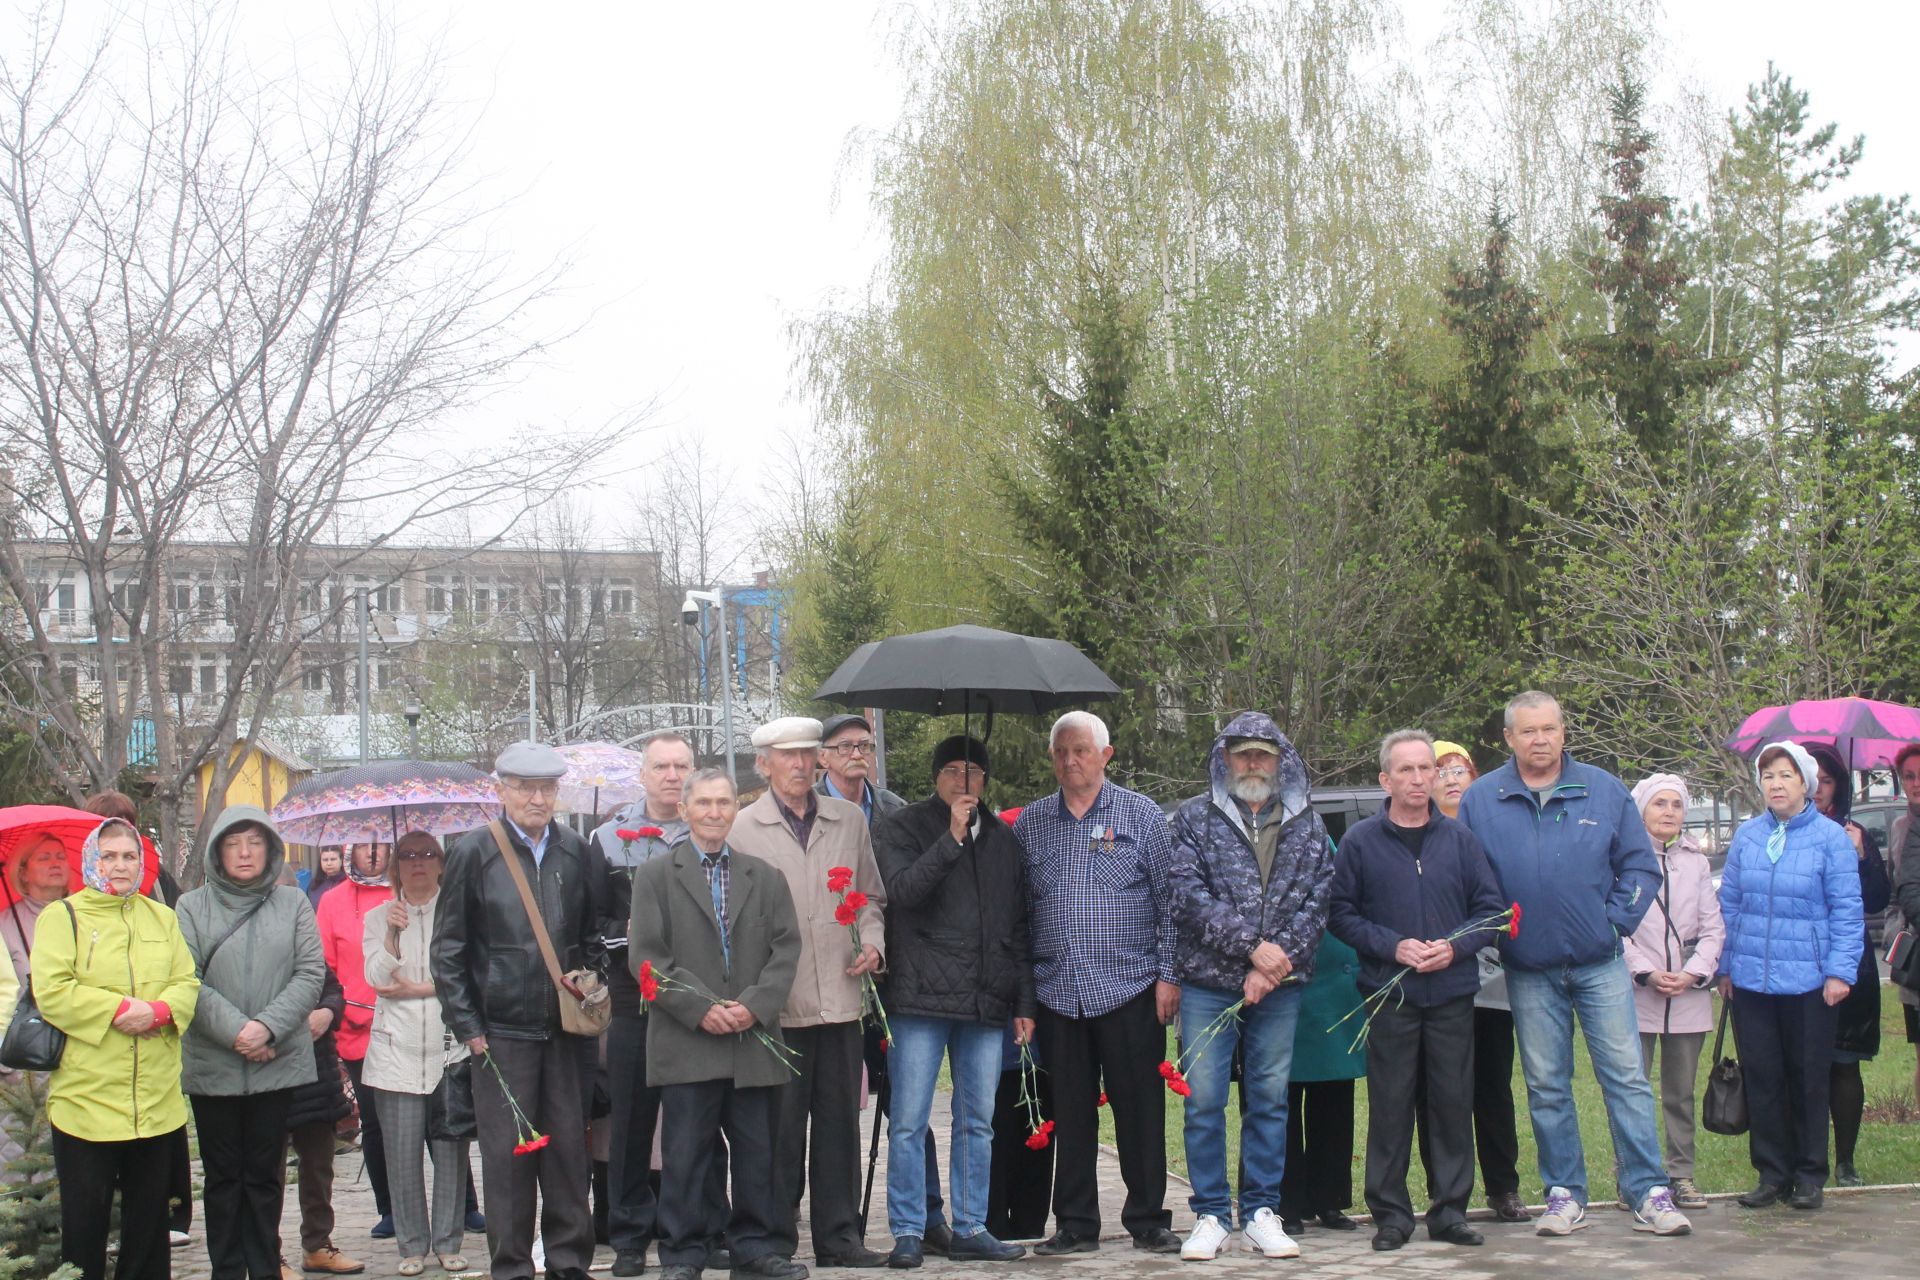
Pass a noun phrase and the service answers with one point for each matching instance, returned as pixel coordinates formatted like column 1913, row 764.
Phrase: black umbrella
column 957, row 668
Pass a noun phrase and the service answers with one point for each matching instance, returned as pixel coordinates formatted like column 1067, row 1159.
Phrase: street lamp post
column 690, row 614
column 413, row 730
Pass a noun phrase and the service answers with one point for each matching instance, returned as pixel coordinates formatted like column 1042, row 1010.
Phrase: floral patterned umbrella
column 386, row 800
column 599, row 774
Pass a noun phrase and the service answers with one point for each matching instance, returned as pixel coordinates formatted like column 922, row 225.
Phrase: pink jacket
column 1687, row 900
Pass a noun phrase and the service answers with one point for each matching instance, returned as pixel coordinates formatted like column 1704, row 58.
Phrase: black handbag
column 1723, row 1109
column 450, row 1105
column 1903, row 960
column 32, row 1043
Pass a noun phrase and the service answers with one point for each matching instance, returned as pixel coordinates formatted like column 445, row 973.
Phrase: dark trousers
column 1122, row 1049
column 1319, row 1173
column 1786, row 1052
column 88, row 1172
column 880, row 1087
column 1494, row 1131
column 1433, row 1045
column 373, row 1150
column 695, row 1117
column 634, row 1206
column 826, row 1164
column 547, row 1079
column 179, row 1182
column 243, row 1166
column 1020, row 1185
column 313, row 1157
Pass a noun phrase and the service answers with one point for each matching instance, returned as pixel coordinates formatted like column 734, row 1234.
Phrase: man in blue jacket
column 1413, row 894
column 1250, row 875
column 1568, row 846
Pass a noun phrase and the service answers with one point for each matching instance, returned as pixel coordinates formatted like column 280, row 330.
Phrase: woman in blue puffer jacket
column 1790, row 895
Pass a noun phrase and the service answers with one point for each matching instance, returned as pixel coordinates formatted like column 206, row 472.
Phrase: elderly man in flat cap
column 496, row 995
column 804, row 835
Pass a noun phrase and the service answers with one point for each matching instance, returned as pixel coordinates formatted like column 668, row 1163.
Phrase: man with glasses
column 848, row 750
column 496, row 996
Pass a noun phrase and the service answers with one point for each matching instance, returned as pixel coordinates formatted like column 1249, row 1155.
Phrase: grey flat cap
column 788, row 733
column 530, row 760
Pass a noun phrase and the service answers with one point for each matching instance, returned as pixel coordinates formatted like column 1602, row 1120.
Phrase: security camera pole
column 689, row 609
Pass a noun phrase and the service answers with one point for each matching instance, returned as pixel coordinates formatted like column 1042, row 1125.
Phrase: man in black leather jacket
column 496, row 995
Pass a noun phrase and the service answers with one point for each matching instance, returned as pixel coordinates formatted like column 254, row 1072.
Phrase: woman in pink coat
column 1672, row 956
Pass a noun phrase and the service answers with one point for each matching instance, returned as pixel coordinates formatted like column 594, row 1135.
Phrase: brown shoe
column 287, row 1272
column 331, row 1261
column 1509, row 1207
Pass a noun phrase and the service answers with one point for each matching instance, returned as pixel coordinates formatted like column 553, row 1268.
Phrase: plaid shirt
column 1102, row 918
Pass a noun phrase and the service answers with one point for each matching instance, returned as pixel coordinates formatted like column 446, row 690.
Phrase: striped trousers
column 403, row 1123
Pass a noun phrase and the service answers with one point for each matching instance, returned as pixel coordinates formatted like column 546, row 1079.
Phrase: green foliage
column 30, row 1204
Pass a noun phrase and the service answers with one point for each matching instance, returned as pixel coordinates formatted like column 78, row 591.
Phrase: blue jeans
column 1544, row 1004
column 1267, row 1031
column 973, row 1049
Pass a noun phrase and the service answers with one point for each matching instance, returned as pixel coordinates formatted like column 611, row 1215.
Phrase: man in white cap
column 804, row 835
column 497, row 997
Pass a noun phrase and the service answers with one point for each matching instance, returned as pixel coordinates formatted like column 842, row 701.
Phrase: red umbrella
column 1867, row 734
column 22, row 825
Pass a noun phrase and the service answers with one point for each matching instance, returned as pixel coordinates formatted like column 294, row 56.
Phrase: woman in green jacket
column 111, row 969
column 1317, row 1183
column 261, row 970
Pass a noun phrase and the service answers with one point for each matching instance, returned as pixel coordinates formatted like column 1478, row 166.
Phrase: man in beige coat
column 804, row 835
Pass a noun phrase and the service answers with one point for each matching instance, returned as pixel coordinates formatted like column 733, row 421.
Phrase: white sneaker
column 1204, row 1241
column 1564, row 1215
column 178, row 1239
column 1658, row 1215
column 1267, row 1235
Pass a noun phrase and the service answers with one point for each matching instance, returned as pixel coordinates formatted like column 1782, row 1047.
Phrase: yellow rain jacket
column 110, row 1086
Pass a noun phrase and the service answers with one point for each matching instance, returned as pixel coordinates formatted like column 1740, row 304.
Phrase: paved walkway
column 1859, row 1234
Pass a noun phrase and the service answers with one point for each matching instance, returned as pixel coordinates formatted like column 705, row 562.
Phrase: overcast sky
column 688, row 160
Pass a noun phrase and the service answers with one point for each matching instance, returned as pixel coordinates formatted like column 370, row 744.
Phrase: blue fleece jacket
column 1581, row 866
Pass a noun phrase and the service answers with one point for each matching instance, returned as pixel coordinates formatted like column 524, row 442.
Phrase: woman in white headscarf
column 1790, row 894
column 1673, row 956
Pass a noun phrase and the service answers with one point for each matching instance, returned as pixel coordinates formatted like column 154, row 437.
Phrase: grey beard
column 1252, row 789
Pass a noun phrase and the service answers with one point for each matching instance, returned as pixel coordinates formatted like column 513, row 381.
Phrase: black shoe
column 1293, row 1226
column 476, row 1222
column 719, row 1258
column 1763, row 1195
column 982, row 1247
column 937, row 1239
column 1157, row 1240
column 679, row 1271
column 860, row 1258
column 772, row 1266
column 1387, row 1239
column 1807, row 1198
column 1845, row 1175
column 383, row 1229
column 1064, row 1241
column 906, row 1253
column 1457, row 1233
column 1334, row 1220
column 1509, row 1207
column 630, row 1262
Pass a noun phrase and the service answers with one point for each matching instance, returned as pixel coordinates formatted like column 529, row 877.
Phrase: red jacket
column 343, row 910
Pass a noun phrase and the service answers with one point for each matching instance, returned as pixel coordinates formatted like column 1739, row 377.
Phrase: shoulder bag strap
column 232, row 929
column 533, row 910
column 1720, row 1036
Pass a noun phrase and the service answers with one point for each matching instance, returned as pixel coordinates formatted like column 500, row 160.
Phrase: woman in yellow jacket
column 112, row 971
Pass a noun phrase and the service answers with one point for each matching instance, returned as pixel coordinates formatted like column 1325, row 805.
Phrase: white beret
column 787, row 733
column 530, row 760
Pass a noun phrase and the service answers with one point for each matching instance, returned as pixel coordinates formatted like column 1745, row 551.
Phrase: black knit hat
column 960, row 747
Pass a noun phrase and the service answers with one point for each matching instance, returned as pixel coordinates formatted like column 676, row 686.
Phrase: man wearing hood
column 1568, row 846
column 1250, row 873
column 1413, row 894
column 957, row 915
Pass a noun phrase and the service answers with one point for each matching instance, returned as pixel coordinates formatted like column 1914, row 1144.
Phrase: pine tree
column 30, row 1204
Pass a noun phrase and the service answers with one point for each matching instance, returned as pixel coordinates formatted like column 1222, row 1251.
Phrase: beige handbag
column 585, row 1007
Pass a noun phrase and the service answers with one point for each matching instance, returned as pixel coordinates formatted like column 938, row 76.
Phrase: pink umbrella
column 1866, row 733
column 599, row 774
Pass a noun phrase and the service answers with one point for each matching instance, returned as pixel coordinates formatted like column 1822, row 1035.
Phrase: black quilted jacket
column 957, row 939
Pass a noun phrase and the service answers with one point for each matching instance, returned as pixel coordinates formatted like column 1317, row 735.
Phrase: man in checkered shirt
column 1103, row 951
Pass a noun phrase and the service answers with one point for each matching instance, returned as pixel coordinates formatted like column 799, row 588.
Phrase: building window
column 436, row 595
column 314, row 679
column 507, row 598
column 620, row 600
column 479, row 602
column 181, row 596
column 387, row 599
column 180, row 680
column 129, row 597
column 209, row 678
column 209, row 598
column 459, row 597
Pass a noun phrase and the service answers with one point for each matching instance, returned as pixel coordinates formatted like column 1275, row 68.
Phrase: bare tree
column 231, row 317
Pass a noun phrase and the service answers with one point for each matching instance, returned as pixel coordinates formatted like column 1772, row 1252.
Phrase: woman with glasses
column 408, row 1049
column 1790, row 894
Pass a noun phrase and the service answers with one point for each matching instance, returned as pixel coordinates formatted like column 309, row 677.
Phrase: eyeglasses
column 1451, row 772
column 548, row 787
column 957, row 771
column 418, row 855
column 852, row 748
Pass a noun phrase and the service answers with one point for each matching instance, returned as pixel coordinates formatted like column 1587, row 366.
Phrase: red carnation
column 1168, row 1071
column 1180, row 1087
column 1046, row 1126
column 531, row 1145
column 1103, row 1099
column 1038, row 1140
column 845, row 914
column 1513, row 928
column 856, row 900
column 649, row 985
column 838, row 878
column 651, row 833
column 628, row 834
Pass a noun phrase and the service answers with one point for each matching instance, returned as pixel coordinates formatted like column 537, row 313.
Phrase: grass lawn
column 1889, row 1149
